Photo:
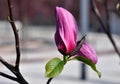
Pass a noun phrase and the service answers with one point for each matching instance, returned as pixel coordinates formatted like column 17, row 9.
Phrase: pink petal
column 88, row 52
column 66, row 32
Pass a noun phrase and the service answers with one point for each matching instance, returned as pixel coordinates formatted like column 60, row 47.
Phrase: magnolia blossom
column 88, row 52
column 66, row 35
column 66, row 31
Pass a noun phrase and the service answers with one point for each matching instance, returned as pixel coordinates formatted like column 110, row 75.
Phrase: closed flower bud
column 66, row 31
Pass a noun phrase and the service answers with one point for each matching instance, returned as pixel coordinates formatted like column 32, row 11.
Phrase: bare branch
column 17, row 44
column 95, row 11
column 14, row 69
column 9, row 66
column 8, row 76
column 107, row 15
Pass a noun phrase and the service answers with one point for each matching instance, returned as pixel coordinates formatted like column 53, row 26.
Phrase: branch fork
column 14, row 69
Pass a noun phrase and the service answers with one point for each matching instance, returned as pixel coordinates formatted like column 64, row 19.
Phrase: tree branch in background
column 107, row 27
column 107, row 15
column 14, row 69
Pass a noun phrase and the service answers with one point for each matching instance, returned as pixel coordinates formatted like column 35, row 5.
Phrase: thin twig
column 17, row 44
column 49, row 80
column 15, row 71
column 8, row 76
column 6, row 64
column 107, row 16
column 95, row 11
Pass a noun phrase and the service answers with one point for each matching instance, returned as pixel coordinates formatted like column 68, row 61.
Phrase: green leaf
column 54, row 67
column 88, row 62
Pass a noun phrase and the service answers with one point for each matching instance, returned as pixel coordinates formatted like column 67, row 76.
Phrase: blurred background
column 35, row 20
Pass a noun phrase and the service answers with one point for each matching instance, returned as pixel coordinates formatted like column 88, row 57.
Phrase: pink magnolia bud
column 88, row 52
column 66, row 31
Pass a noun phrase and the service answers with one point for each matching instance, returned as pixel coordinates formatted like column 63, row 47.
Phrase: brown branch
column 14, row 69
column 107, row 15
column 105, row 28
column 19, row 78
column 8, row 76
column 17, row 44
column 6, row 64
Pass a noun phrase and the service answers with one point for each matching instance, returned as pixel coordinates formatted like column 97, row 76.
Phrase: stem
column 49, row 80
column 65, row 59
column 95, row 11
column 17, row 44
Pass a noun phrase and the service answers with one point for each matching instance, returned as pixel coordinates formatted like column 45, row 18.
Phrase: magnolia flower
column 88, row 52
column 66, row 35
column 66, row 31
